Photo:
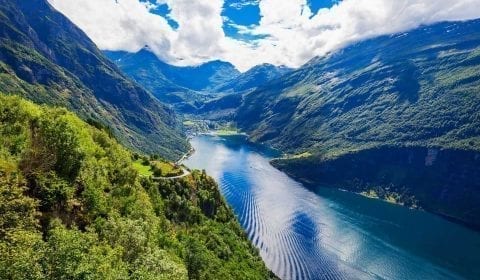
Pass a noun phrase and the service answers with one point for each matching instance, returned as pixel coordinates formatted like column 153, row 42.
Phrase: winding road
column 186, row 172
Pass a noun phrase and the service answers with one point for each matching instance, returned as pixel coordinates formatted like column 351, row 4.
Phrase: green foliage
column 71, row 254
column 21, row 255
column 73, row 206
column 418, row 89
column 143, row 167
column 17, row 211
column 350, row 115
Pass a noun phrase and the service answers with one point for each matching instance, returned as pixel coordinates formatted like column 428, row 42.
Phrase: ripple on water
column 302, row 235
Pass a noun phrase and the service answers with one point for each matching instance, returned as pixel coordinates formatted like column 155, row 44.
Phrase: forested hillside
column 46, row 58
column 417, row 88
column 72, row 206
column 395, row 117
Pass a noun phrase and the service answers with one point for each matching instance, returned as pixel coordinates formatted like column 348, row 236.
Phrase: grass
column 167, row 168
column 302, row 155
column 227, row 132
column 188, row 123
column 143, row 170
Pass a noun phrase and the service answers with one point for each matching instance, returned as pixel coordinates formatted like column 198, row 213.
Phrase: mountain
column 46, row 58
column 73, row 206
column 416, row 88
column 194, row 90
column 253, row 78
column 145, row 66
column 398, row 109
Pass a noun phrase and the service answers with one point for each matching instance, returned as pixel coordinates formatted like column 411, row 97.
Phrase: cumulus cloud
column 290, row 33
column 120, row 25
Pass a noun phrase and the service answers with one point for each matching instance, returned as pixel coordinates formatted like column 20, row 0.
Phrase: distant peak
column 146, row 48
column 146, row 51
column 218, row 62
column 269, row 67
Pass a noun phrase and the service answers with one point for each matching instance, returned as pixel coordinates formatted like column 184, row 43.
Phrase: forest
column 73, row 206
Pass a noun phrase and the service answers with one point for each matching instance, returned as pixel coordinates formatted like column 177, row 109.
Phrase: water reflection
column 331, row 234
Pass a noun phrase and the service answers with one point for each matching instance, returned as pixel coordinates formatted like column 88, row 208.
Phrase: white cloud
column 123, row 25
column 293, row 34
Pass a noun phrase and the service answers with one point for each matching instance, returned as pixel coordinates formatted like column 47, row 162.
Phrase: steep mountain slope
column 144, row 66
column 253, row 78
column 45, row 57
column 195, row 91
column 395, row 117
column 223, row 107
column 416, row 88
column 442, row 181
column 73, row 206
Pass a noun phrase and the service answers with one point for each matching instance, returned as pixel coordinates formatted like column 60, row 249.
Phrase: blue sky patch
column 239, row 15
column 244, row 12
column 316, row 5
column 164, row 11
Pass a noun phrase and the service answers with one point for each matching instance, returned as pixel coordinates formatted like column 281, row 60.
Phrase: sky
column 251, row 32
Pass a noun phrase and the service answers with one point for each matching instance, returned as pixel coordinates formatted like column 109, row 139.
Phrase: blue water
column 331, row 234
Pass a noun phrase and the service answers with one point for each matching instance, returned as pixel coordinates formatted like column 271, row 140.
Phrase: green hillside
column 420, row 88
column 46, row 58
column 72, row 206
column 396, row 117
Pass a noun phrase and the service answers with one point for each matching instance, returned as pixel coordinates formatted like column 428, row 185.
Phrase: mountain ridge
column 201, row 77
column 395, row 116
column 40, row 57
column 386, row 72
column 253, row 78
column 192, row 90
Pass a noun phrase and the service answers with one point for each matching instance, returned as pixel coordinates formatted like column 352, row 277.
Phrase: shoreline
column 224, row 133
column 186, row 155
column 370, row 194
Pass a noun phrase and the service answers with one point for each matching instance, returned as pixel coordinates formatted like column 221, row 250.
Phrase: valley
column 367, row 118
column 125, row 162
column 370, row 119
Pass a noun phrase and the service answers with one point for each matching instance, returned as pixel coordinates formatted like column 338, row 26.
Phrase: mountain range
column 408, row 102
column 416, row 88
column 397, row 114
column 145, row 64
column 253, row 78
column 77, row 204
column 188, row 88
column 46, row 58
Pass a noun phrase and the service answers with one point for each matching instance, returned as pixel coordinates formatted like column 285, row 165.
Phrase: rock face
column 45, row 57
column 442, row 181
